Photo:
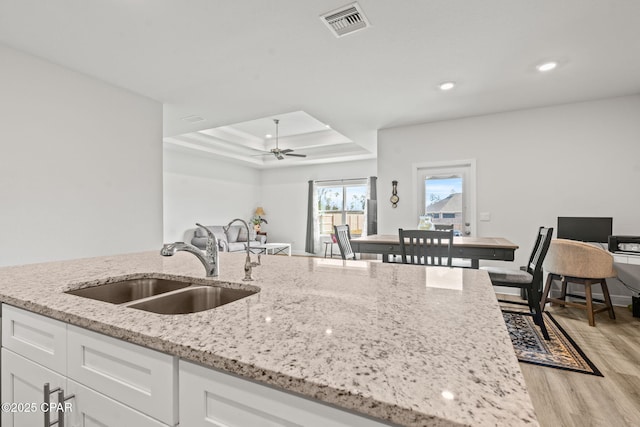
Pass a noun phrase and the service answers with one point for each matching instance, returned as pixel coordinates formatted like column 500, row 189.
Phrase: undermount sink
column 192, row 300
column 164, row 296
column 129, row 290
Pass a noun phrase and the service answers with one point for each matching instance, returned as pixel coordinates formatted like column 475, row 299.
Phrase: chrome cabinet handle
column 61, row 399
column 47, row 393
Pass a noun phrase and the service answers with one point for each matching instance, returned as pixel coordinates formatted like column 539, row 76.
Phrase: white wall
column 285, row 194
column 532, row 166
column 200, row 188
column 80, row 164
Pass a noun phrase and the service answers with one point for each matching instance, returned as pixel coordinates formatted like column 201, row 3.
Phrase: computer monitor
column 585, row 229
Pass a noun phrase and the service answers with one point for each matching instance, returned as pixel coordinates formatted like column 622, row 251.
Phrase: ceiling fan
column 277, row 152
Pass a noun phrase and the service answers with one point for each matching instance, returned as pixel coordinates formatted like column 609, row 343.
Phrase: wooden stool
column 577, row 262
column 588, row 305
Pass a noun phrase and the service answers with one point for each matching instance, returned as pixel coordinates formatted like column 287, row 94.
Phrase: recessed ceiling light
column 327, row 126
column 447, row 85
column 268, row 136
column 547, row 66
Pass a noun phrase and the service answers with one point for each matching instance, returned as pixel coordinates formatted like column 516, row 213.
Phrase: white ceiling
column 237, row 61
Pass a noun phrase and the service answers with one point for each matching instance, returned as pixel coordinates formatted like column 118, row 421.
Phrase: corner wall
column 80, row 164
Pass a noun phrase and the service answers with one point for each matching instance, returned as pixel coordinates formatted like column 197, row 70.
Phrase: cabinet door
column 210, row 398
column 23, row 384
column 92, row 409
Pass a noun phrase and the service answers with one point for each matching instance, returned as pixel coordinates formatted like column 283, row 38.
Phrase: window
column 446, row 192
column 342, row 203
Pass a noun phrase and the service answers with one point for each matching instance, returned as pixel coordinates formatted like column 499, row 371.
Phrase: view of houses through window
column 342, row 203
column 443, row 201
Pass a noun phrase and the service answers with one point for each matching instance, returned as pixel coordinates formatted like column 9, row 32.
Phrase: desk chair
column 343, row 237
column 417, row 246
column 577, row 262
column 528, row 278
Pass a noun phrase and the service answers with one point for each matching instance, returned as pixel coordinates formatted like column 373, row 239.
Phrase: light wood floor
column 563, row 398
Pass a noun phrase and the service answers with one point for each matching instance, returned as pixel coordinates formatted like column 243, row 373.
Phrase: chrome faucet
column 247, row 263
column 210, row 257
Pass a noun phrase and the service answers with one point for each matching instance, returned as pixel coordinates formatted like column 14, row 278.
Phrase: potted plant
column 257, row 220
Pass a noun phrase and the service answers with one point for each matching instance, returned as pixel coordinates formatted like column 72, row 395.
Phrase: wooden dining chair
column 419, row 246
column 343, row 237
column 528, row 278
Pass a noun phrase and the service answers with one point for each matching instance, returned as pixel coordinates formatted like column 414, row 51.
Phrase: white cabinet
column 115, row 383
column 211, row 398
column 23, row 384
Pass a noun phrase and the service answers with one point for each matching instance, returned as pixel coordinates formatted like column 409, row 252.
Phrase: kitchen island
column 406, row 345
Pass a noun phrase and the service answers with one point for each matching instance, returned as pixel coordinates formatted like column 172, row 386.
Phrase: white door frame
column 470, row 164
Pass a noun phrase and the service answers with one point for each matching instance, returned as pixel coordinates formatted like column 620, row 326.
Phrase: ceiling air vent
column 345, row 20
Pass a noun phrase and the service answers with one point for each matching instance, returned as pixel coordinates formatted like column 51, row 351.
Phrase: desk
column 473, row 248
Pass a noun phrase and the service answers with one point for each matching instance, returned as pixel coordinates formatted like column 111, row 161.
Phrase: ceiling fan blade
column 285, row 151
column 279, row 156
column 296, row 155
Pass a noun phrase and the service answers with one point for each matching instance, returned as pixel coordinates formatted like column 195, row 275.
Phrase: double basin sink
column 164, row 296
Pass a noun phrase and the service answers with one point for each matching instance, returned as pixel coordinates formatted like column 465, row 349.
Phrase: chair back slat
column 343, row 237
column 425, row 247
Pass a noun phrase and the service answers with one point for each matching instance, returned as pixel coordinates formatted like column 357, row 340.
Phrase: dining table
column 465, row 247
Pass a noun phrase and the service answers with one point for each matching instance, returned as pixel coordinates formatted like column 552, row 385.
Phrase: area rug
column 559, row 352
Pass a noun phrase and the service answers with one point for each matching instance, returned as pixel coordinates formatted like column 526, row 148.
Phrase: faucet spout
column 209, row 259
column 247, row 262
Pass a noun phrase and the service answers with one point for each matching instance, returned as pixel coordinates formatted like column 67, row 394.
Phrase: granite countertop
column 407, row 344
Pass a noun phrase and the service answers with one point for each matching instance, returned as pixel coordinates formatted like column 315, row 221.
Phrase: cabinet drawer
column 215, row 399
column 94, row 409
column 143, row 379
column 35, row 337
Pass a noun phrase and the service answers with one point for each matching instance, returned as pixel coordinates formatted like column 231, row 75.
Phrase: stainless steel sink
column 192, row 300
column 129, row 290
column 164, row 296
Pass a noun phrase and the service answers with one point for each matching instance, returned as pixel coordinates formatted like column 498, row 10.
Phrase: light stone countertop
column 388, row 341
